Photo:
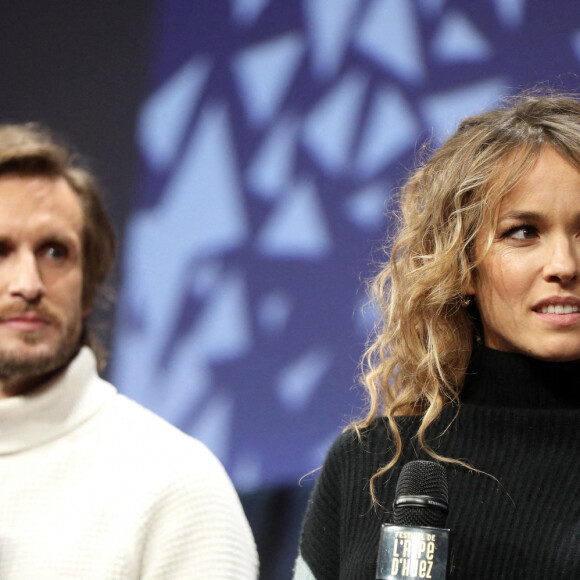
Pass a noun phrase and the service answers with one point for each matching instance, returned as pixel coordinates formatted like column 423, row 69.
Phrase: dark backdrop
column 249, row 150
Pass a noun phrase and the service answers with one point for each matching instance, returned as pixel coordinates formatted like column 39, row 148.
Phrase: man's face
column 41, row 265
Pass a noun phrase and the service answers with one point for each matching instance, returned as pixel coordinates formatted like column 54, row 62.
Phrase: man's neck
column 15, row 386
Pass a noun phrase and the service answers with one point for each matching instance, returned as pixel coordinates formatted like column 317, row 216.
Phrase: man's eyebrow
column 60, row 238
column 57, row 235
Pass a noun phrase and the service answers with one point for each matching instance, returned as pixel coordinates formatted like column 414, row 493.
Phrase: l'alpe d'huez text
column 413, row 555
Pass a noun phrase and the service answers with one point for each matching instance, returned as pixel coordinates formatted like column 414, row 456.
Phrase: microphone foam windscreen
column 421, row 480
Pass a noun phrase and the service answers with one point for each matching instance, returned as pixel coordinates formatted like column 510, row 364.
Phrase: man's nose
column 25, row 278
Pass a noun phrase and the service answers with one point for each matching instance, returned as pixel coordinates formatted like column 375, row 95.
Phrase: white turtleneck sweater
column 94, row 486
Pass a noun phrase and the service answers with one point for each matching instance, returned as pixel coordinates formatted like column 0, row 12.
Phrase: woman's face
column 527, row 287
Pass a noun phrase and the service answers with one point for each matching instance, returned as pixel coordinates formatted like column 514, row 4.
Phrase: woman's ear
column 470, row 287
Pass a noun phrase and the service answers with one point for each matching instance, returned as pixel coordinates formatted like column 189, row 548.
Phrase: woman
column 476, row 361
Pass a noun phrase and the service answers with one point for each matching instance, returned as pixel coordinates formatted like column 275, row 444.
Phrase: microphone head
column 421, row 495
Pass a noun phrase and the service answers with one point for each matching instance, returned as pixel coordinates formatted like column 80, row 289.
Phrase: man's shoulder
column 135, row 435
column 135, row 416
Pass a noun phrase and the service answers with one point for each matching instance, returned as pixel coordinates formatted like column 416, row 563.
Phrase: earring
column 465, row 301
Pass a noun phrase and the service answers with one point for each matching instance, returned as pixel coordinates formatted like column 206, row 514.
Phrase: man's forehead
column 40, row 199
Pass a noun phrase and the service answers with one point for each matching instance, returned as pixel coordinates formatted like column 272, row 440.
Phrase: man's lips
column 25, row 321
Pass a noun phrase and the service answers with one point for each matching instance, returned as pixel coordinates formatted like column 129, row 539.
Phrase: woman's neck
column 503, row 379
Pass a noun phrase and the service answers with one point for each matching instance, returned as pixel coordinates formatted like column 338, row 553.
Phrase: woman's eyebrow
column 520, row 215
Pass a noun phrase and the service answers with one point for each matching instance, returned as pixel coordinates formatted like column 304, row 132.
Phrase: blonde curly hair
column 416, row 359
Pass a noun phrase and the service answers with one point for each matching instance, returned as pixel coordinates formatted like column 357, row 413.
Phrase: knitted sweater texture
column 94, row 486
column 519, row 421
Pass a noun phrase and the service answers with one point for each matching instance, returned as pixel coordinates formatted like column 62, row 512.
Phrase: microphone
column 416, row 545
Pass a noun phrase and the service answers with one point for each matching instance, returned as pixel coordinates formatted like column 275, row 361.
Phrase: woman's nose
column 562, row 261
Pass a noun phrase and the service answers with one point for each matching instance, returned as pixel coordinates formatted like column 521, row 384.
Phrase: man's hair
column 31, row 150
column 416, row 361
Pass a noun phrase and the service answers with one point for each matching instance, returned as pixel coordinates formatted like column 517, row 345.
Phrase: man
column 91, row 484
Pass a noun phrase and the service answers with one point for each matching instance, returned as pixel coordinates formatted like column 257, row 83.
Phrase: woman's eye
column 521, row 233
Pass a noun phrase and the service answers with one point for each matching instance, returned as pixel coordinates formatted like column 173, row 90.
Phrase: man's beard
column 20, row 369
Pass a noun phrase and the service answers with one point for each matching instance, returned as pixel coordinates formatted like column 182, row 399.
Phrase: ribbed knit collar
column 67, row 401
column 503, row 379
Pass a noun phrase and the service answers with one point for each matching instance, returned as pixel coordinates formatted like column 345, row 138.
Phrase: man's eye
column 55, row 251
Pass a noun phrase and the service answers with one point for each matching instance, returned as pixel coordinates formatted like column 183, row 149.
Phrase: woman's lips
column 559, row 310
column 565, row 319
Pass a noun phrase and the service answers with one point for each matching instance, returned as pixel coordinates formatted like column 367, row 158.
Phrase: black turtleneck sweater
column 519, row 421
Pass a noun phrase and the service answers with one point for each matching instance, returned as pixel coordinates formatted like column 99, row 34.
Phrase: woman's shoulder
column 376, row 433
column 354, row 436
column 368, row 443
